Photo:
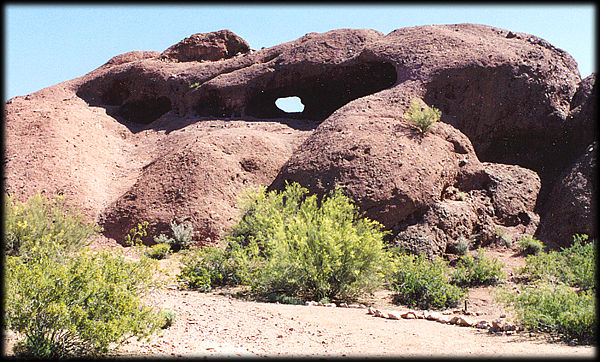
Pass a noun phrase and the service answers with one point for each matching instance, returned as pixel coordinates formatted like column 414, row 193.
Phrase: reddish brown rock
column 136, row 139
column 213, row 46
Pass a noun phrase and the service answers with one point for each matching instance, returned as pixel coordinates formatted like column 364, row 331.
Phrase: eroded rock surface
column 157, row 136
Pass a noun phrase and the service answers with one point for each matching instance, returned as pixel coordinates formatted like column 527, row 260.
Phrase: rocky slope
column 180, row 134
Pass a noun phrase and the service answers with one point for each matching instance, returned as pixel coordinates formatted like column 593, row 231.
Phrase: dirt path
column 212, row 324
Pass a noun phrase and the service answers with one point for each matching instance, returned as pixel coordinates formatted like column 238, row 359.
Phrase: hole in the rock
column 145, row 111
column 290, row 104
column 322, row 89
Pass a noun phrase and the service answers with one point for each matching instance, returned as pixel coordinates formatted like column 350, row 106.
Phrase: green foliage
column 421, row 115
column 163, row 239
column 182, row 235
column 195, row 85
column 135, row 235
column 206, row 268
column 529, row 245
column 419, row 282
column 168, row 317
column 44, row 219
column 75, row 305
column 158, row 251
column 555, row 308
column 479, row 270
column 287, row 244
column 561, row 295
column 574, row 265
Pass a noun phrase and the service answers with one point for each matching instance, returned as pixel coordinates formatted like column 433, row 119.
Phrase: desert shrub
column 529, row 245
column 64, row 306
column 462, row 245
column 555, row 308
column 136, row 233
column 158, row 251
column 560, row 295
column 206, row 268
column 574, row 265
column 419, row 282
column 479, row 270
column 163, row 239
column 42, row 218
column 290, row 245
column 502, row 238
column 317, row 251
column 182, row 235
column 167, row 317
column 421, row 115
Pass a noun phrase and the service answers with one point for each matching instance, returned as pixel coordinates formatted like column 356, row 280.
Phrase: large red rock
column 140, row 137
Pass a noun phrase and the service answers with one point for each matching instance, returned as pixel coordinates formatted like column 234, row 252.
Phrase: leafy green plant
column 81, row 304
column 479, row 270
column 168, row 317
column 289, row 244
column 421, row 115
column 419, row 282
column 560, row 296
column 136, row 233
column 158, row 251
column 529, row 245
column 461, row 196
column 206, row 268
column 554, row 308
column 41, row 218
column 574, row 265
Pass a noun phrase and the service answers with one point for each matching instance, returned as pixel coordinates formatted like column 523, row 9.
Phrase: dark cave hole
column 323, row 93
column 145, row 111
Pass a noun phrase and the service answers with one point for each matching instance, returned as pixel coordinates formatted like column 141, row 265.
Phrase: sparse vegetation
column 477, row 271
column 462, row 245
column 421, row 115
column 560, row 295
column 426, row 284
column 158, row 251
column 528, row 245
column 502, row 238
column 136, row 233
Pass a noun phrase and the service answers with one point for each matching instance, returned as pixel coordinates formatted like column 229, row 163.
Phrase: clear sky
column 49, row 44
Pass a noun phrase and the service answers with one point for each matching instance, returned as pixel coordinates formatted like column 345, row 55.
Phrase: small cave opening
column 145, row 111
column 322, row 93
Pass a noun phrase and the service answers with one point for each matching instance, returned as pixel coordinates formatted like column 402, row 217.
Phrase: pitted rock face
column 213, row 46
column 510, row 113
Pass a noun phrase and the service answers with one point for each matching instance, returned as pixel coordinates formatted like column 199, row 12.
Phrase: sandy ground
column 220, row 325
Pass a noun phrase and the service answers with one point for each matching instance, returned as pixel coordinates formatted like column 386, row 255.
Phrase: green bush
column 502, row 238
column 206, row 268
column 574, row 265
column 286, row 244
column 555, row 308
column 476, row 271
column 529, row 245
column 421, row 115
column 40, row 217
column 419, row 282
column 136, row 233
column 168, row 317
column 158, row 251
column 64, row 306
column 561, row 295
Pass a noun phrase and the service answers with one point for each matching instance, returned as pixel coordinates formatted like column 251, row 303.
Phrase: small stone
column 354, row 306
column 432, row 315
column 378, row 313
column 330, row 305
column 409, row 315
column 371, row 310
column 343, row 305
column 443, row 319
column 482, row 325
column 394, row 315
column 502, row 315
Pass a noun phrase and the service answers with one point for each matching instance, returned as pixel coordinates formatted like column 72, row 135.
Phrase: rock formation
column 158, row 136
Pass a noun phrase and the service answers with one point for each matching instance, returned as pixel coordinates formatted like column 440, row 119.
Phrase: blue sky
column 46, row 45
